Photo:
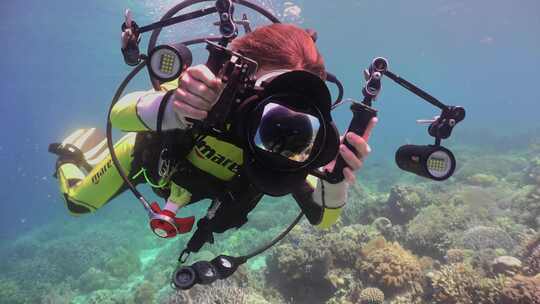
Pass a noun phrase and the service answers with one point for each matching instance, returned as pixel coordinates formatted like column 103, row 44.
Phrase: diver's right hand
column 128, row 34
column 198, row 91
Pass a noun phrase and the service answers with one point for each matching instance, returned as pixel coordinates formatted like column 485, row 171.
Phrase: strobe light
column 434, row 162
column 167, row 61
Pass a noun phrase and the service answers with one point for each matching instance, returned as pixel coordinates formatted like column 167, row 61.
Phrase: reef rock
column 506, row 265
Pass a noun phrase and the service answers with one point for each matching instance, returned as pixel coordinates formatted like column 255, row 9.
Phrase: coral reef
column 481, row 237
column 10, row 292
column 123, row 263
column 107, row 296
column 473, row 239
column 300, row 274
column 390, row 267
column 145, row 293
column 219, row 292
column 521, row 290
column 431, row 231
column 453, row 283
column 489, row 290
column 480, row 179
column 532, row 173
column 405, row 202
column 371, row 296
column 363, row 206
column 60, row 294
column 95, row 279
column 531, row 255
column 456, row 255
column 525, row 206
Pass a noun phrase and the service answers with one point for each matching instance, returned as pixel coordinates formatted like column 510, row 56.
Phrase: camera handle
column 362, row 115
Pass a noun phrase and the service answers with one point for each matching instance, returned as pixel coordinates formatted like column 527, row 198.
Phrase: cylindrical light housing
column 433, row 162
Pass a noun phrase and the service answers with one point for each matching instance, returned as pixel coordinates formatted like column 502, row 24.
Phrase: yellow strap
column 161, row 184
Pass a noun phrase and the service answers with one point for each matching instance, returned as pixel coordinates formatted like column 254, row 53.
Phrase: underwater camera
column 289, row 135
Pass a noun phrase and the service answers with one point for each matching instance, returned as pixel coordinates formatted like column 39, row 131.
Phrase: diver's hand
column 353, row 160
column 198, row 91
column 128, row 35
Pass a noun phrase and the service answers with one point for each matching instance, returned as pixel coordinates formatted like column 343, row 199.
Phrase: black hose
column 275, row 240
column 180, row 6
column 110, row 144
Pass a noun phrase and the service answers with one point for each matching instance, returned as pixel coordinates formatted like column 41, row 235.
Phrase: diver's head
column 281, row 46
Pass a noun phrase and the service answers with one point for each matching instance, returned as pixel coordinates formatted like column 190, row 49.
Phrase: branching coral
column 489, row 290
column 521, row 290
column 453, row 284
column 390, row 267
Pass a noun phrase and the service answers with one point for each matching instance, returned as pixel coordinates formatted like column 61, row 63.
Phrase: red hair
column 281, row 46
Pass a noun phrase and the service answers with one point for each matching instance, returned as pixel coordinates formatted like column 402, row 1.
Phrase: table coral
column 481, row 237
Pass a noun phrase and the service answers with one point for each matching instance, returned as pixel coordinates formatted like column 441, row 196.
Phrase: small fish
column 23, row 221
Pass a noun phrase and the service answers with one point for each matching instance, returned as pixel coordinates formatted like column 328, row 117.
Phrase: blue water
column 60, row 65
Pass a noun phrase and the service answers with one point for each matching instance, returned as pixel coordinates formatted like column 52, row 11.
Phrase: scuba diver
column 254, row 120
column 212, row 168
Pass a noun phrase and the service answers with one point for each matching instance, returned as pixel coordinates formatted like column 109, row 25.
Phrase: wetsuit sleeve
column 322, row 202
column 138, row 111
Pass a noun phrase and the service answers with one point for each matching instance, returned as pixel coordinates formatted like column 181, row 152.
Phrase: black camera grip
column 362, row 115
column 214, row 62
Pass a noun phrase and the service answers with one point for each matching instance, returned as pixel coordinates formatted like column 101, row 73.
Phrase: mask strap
column 270, row 75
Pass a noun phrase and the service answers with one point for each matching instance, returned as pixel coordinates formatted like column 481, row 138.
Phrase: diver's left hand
column 354, row 160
